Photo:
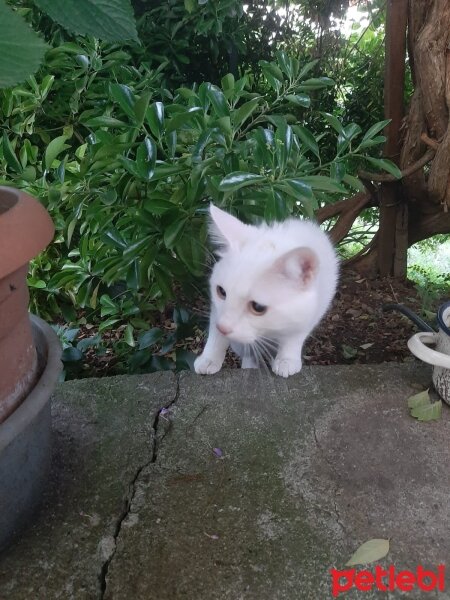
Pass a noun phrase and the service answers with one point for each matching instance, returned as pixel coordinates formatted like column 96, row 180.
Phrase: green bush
column 127, row 170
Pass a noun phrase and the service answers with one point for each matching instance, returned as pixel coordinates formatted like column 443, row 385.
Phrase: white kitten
column 270, row 287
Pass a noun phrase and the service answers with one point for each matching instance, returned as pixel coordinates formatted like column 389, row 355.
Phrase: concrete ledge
column 140, row 505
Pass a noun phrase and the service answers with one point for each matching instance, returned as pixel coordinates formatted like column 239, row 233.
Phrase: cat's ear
column 225, row 230
column 299, row 265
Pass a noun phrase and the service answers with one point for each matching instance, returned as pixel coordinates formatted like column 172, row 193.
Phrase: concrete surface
column 140, row 507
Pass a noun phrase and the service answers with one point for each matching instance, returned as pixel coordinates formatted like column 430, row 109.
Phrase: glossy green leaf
column 275, row 208
column 301, row 188
column 146, row 158
column 241, row 114
column 141, row 106
column 171, row 141
column 307, row 68
column 272, row 69
column 307, row 139
column 376, row 128
column 157, row 206
column 224, row 124
column 218, row 101
column 352, row 130
column 385, row 164
column 123, row 95
column 316, row 83
column 128, row 335
column 55, row 147
column 108, row 323
column 375, row 141
column 173, row 232
column 337, row 170
column 181, row 119
column 155, row 118
column 354, row 182
column 346, row 136
column 227, row 83
column 10, row 156
column 136, row 248
column 113, row 237
column 104, row 121
column 284, row 62
column 283, row 144
column 323, row 184
column 302, row 100
column 237, row 180
column 334, row 122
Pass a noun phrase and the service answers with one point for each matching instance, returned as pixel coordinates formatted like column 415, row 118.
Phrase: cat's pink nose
column 223, row 330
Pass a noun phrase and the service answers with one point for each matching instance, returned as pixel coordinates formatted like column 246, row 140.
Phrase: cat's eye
column 221, row 292
column 257, row 309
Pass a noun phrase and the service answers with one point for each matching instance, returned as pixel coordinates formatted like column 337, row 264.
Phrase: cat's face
column 258, row 291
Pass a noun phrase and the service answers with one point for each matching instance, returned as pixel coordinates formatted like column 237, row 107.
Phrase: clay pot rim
column 25, row 229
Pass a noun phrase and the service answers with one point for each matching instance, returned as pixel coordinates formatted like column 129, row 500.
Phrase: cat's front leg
column 213, row 355
column 288, row 360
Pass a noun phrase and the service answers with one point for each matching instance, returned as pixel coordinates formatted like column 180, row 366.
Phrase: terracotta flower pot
column 25, row 230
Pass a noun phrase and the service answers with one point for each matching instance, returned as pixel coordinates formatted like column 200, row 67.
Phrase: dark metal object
column 421, row 324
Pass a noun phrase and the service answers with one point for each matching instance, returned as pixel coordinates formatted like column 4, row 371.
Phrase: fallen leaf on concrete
column 427, row 412
column 369, row 552
column 420, row 399
column 422, row 409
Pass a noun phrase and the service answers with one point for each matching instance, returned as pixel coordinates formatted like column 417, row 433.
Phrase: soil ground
column 355, row 330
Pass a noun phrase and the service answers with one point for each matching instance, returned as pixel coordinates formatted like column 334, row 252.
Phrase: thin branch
column 333, row 210
column 429, row 141
column 363, row 252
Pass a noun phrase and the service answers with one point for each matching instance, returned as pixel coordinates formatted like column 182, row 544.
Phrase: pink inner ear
column 300, row 265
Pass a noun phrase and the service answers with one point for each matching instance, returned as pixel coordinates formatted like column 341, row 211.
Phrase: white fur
column 290, row 267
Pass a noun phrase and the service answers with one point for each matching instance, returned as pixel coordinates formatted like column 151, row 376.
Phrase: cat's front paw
column 206, row 365
column 286, row 366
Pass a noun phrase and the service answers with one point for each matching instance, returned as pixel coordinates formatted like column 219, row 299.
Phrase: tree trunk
column 417, row 207
column 392, row 213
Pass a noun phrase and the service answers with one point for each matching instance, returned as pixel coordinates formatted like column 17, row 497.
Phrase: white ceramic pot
column 440, row 357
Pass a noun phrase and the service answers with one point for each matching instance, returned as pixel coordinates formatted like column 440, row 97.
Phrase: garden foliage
column 127, row 168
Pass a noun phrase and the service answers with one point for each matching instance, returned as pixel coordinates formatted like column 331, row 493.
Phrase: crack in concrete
column 332, row 466
column 157, row 440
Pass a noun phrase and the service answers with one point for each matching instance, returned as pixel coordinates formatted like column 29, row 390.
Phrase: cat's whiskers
column 268, row 348
column 265, row 352
column 264, row 370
